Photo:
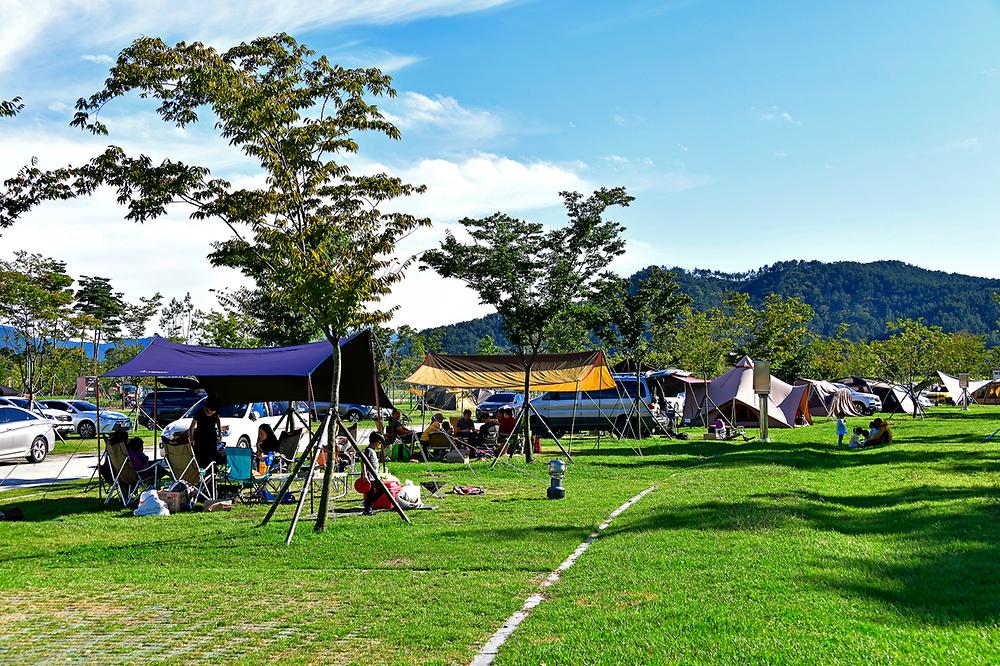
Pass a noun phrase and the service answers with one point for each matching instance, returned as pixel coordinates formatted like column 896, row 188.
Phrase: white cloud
column 642, row 174
column 100, row 59
column 169, row 254
column 964, row 145
column 411, row 110
column 775, row 113
column 483, row 184
column 219, row 22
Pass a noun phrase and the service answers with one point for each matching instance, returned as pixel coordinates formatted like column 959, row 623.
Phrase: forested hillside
column 865, row 296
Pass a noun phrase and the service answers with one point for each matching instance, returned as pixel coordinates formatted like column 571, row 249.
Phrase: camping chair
column 239, row 472
column 288, row 446
column 125, row 481
column 438, row 445
column 184, row 466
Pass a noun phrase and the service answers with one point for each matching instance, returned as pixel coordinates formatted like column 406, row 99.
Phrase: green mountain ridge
column 863, row 295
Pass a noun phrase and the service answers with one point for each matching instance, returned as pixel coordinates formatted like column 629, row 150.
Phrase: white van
column 605, row 410
column 241, row 421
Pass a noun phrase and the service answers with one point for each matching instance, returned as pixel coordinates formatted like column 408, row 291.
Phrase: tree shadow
column 44, row 509
column 944, row 566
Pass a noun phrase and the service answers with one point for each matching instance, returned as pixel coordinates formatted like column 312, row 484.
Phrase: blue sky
column 749, row 132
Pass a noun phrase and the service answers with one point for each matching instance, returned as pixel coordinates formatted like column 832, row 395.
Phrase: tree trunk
column 528, row 453
column 324, row 498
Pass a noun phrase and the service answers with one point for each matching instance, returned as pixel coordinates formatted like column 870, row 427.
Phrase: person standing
column 841, row 430
column 205, row 432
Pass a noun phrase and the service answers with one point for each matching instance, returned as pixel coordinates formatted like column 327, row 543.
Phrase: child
column 857, row 439
column 841, row 430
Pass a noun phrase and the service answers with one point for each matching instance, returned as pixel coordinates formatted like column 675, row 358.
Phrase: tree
column 34, row 298
column 534, row 276
column 627, row 313
column 137, row 315
column 96, row 297
column 265, row 320
column 778, row 332
column 701, row 344
column 223, row 329
column 321, row 240
column 488, row 346
column 910, row 353
column 176, row 319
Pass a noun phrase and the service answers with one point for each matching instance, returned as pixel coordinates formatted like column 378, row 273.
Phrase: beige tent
column 731, row 396
column 825, row 399
column 442, row 398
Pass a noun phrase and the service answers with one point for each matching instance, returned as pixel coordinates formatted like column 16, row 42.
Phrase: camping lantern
column 557, row 470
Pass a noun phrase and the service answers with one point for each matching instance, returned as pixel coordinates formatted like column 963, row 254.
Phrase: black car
column 171, row 404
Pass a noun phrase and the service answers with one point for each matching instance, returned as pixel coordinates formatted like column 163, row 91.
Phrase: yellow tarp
column 585, row 371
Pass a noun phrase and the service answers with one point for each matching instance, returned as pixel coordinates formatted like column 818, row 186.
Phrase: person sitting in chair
column 139, row 460
column 399, row 431
column 267, row 441
column 465, row 427
column 437, row 424
column 506, row 420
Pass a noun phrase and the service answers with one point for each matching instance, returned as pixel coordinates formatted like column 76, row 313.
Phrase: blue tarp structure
column 272, row 373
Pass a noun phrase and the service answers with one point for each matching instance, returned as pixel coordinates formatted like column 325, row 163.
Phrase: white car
column 61, row 421
column 25, row 434
column 83, row 417
column 241, row 421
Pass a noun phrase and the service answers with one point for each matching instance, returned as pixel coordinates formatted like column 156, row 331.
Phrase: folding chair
column 288, row 446
column 183, row 466
column 239, row 472
column 125, row 482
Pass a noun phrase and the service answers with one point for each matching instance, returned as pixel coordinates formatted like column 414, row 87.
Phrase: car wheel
column 39, row 449
column 243, row 442
column 86, row 430
column 353, row 416
column 863, row 408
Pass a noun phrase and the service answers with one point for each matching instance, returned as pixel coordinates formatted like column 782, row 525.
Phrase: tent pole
column 545, row 423
column 307, row 487
column 572, row 423
column 156, row 440
column 313, row 440
column 97, row 400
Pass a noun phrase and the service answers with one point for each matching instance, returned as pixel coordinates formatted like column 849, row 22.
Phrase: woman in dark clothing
column 267, row 441
column 205, row 432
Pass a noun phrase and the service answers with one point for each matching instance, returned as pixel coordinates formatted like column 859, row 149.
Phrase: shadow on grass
column 943, row 566
column 41, row 509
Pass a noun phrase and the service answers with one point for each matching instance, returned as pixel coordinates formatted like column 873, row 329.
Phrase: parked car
column 61, row 421
column 496, row 402
column 83, row 417
column 866, row 403
column 171, row 404
column 350, row 411
column 606, row 409
column 25, row 434
column 241, row 421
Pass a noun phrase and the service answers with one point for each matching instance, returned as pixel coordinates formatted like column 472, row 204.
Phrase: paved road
column 25, row 475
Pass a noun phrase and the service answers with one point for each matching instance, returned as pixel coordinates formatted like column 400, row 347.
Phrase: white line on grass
column 486, row 655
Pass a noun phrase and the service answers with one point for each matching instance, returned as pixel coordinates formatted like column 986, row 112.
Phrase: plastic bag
column 150, row 504
column 409, row 496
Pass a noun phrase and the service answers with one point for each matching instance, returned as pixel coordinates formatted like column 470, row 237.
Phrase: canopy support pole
column 548, row 429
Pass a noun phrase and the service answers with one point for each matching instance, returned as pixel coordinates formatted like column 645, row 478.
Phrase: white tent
column 955, row 391
column 731, row 396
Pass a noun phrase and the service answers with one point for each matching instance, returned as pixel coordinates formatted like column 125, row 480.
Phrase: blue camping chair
column 239, row 461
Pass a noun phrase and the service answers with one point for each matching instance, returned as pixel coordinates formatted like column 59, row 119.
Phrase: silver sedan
column 24, row 434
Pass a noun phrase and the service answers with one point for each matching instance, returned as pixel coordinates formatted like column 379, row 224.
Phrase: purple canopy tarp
column 273, row 373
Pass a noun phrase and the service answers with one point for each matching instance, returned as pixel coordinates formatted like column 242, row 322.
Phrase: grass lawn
column 784, row 552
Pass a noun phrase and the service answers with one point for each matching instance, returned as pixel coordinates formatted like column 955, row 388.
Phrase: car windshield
column 502, row 397
column 236, row 411
column 84, row 406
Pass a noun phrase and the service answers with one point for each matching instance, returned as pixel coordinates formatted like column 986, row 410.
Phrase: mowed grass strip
column 795, row 552
column 79, row 580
